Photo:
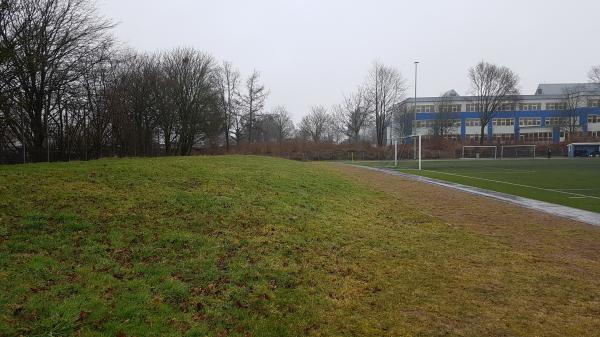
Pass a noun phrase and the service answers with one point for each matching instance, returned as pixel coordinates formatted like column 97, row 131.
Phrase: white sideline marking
column 520, row 185
column 503, row 172
column 588, row 217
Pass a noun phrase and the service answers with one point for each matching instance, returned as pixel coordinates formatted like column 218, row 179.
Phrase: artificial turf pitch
column 569, row 182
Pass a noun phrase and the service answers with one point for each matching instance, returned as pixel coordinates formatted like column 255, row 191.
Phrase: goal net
column 408, row 152
column 480, row 152
column 518, row 152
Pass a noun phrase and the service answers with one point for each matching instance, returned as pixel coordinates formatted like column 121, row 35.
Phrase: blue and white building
column 528, row 119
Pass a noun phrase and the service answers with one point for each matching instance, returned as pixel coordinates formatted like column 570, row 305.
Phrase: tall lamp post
column 415, row 110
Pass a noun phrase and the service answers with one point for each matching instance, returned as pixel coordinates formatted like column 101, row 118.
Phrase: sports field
column 574, row 183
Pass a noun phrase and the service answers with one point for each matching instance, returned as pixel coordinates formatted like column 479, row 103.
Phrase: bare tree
column 386, row 88
column 253, row 102
column 53, row 37
column 492, row 87
column 403, row 117
column 194, row 77
column 594, row 74
column 569, row 118
column 284, row 127
column 314, row 125
column 355, row 113
column 229, row 81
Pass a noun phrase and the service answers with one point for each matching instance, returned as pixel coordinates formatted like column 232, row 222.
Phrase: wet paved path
column 588, row 217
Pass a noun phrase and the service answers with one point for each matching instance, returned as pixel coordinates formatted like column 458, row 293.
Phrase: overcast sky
column 312, row 52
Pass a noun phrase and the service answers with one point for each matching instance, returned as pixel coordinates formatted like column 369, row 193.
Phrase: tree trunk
column 482, row 134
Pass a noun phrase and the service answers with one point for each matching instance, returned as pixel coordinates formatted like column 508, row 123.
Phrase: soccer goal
column 480, row 152
column 517, row 152
column 402, row 150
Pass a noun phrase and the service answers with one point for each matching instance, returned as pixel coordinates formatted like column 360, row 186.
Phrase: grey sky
column 312, row 52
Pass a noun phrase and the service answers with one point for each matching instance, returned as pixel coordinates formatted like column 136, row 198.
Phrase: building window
column 479, row 107
column 530, row 121
column 504, row 137
column 473, row 122
column 553, row 121
column 536, row 137
column 594, row 134
column 450, row 123
column 593, row 118
column 474, row 107
column 425, row 108
column 425, row 124
column 503, row 121
column 530, row 106
column 594, row 103
column 560, row 121
column 507, row 107
column 450, row 108
column 556, row 106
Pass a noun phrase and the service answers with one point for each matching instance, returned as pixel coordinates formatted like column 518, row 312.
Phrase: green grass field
column 249, row 246
column 574, row 183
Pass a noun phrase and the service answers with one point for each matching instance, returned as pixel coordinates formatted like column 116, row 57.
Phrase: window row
column 504, row 137
column 530, row 121
column 560, row 121
column 556, row 106
column 536, row 137
column 425, row 124
column 450, row 108
column 530, row 106
column 433, row 123
column 474, row 107
column 473, row 122
column 523, row 121
column 503, row 107
column 425, row 108
column 503, row 121
column 440, row 108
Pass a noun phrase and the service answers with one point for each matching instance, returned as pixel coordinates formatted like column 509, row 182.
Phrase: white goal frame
column 516, row 147
column 480, row 147
column 420, row 151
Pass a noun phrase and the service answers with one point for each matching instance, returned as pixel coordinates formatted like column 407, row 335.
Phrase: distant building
column 554, row 111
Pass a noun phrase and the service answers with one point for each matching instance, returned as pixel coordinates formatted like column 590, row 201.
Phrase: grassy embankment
column 248, row 246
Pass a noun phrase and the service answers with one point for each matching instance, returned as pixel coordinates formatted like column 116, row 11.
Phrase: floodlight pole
column 395, row 152
column 420, row 154
column 415, row 109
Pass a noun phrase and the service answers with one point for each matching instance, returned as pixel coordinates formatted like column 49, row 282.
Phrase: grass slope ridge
column 249, row 246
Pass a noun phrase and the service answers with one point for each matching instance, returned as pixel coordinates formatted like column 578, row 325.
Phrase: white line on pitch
column 520, row 185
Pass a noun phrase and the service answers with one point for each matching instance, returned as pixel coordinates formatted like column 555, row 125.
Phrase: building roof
column 553, row 91
column 451, row 93
column 562, row 88
column 473, row 98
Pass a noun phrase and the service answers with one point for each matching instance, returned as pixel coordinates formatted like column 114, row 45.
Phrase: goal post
column 518, row 151
column 479, row 152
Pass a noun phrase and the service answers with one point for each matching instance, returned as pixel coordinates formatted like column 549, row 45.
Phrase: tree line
column 67, row 91
column 364, row 115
